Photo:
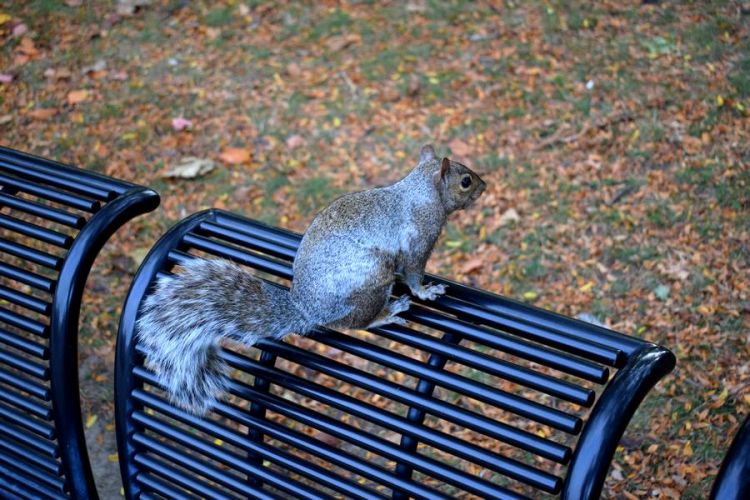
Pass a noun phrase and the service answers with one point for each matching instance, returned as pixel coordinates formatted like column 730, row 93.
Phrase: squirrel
column 343, row 275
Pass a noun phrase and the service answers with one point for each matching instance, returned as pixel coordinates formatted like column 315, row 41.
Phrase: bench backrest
column 54, row 219
column 479, row 396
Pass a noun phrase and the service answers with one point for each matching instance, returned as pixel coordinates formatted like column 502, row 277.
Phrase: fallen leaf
column 459, row 147
column 73, row 3
column 5, row 119
column 27, row 47
column 190, row 167
column 295, row 141
column 530, row 295
column 662, row 292
column 235, row 156
column 4, row 18
column 5, row 78
column 181, row 123
column 99, row 65
column 509, row 216
column 91, row 420
column 42, row 113
column 77, row 96
column 112, row 457
column 20, row 30
column 472, row 265
column 337, row 43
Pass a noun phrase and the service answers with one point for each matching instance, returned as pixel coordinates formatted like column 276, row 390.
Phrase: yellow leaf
column 4, row 18
column 218, row 442
column 128, row 136
column 588, row 286
column 122, row 491
column 687, row 450
column 336, row 122
column 90, row 421
column 112, row 457
column 530, row 295
column 719, row 101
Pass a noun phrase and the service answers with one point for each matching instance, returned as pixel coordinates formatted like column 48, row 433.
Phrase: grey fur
column 344, row 273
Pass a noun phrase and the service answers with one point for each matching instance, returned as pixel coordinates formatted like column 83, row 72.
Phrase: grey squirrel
column 344, row 272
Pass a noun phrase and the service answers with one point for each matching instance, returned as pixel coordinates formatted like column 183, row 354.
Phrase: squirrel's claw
column 430, row 291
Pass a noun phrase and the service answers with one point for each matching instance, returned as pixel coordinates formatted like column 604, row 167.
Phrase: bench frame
column 640, row 366
column 124, row 202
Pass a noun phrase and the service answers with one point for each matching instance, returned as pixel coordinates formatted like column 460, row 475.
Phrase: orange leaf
column 42, row 114
column 77, row 96
column 472, row 265
column 459, row 147
column 235, row 156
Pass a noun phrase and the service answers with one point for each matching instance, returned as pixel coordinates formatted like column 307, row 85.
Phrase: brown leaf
column 42, row 113
column 337, row 43
column 472, row 265
column 77, row 96
column 459, row 147
column 235, row 156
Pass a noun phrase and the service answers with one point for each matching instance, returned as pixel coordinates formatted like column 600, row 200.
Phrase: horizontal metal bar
column 19, row 401
column 165, row 470
column 27, row 422
column 23, row 344
column 29, row 302
column 462, row 385
column 580, row 347
column 26, row 277
column 271, row 234
column 35, row 231
column 251, row 241
column 29, row 325
column 280, row 458
column 231, row 460
column 20, row 382
column 31, row 481
column 35, row 442
column 58, row 175
column 497, row 430
column 48, row 193
column 45, row 212
column 309, row 445
column 180, row 458
column 149, row 481
column 20, row 363
column 498, row 463
column 515, row 346
column 23, row 453
column 375, row 444
column 493, row 366
column 31, row 254
column 241, row 256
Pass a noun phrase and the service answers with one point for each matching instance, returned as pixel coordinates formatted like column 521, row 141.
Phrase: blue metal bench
column 54, row 219
column 480, row 395
column 733, row 480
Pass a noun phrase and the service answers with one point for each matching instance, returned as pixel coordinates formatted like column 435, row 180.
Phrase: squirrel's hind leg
column 388, row 316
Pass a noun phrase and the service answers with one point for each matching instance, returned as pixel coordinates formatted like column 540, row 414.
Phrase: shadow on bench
column 480, row 395
column 54, row 219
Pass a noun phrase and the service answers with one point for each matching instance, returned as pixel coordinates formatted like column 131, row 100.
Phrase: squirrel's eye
column 466, row 181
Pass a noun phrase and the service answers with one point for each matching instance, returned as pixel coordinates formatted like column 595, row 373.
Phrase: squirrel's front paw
column 430, row 291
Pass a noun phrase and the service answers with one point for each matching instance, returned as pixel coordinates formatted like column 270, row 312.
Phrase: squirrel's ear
column 444, row 167
column 427, row 153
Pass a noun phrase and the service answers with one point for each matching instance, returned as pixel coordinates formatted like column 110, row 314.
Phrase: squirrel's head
column 459, row 187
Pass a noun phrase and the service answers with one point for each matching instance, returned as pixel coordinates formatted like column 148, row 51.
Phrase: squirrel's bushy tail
column 183, row 320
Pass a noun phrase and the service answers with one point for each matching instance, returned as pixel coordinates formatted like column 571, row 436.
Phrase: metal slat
column 246, row 239
column 311, row 471
column 28, row 481
column 35, row 231
column 29, row 302
column 257, row 261
column 23, row 344
column 26, row 277
column 69, row 199
column 269, row 233
column 183, row 460
column 23, row 323
column 481, row 392
column 31, row 254
column 19, row 363
column 19, row 401
column 37, row 443
column 496, row 430
column 23, row 454
column 19, row 382
column 505, row 370
column 59, row 175
column 164, row 489
column 27, row 422
column 436, row 439
column 39, row 210
column 233, row 461
column 165, row 470
column 306, row 444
